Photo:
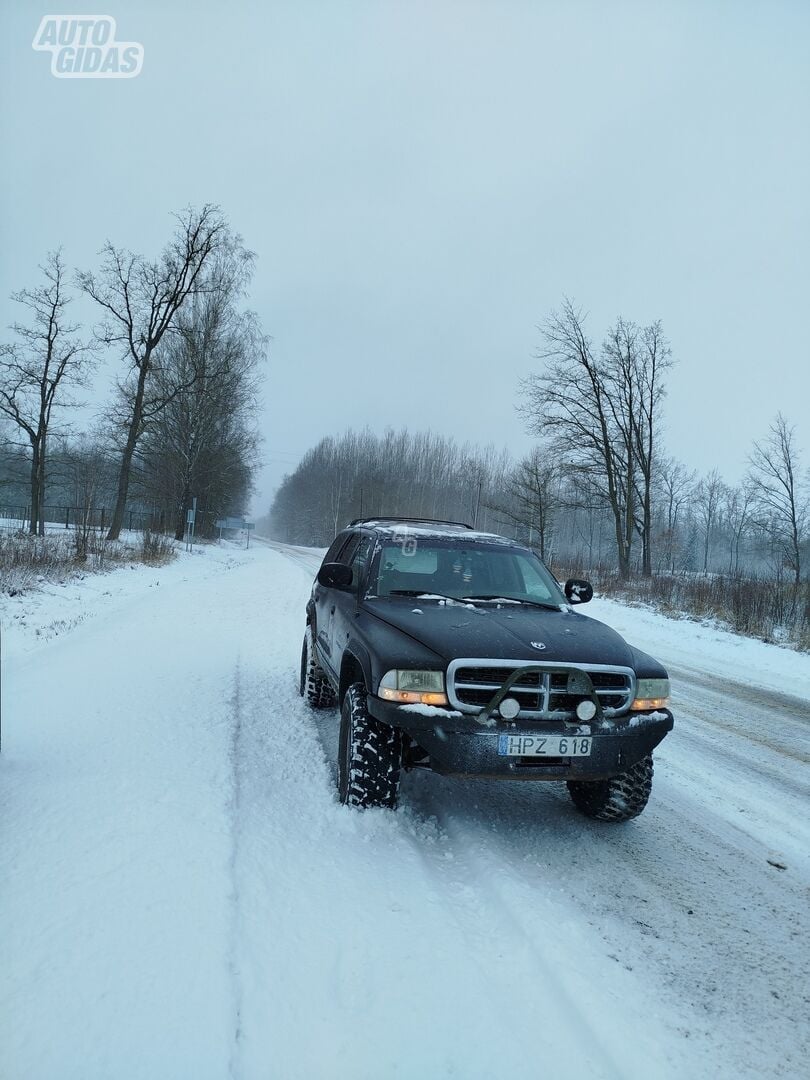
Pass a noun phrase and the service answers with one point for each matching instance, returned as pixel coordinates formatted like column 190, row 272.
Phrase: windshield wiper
column 518, row 600
column 427, row 595
column 471, row 599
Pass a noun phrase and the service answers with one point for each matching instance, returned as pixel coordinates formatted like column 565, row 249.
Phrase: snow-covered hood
column 504, row 633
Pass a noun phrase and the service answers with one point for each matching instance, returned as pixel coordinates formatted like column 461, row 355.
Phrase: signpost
column 191, row 515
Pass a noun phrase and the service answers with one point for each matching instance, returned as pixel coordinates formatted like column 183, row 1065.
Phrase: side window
column 334, row 548
column 347, row 553
column 360, row 558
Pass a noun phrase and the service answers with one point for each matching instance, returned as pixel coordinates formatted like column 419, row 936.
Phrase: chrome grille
column 542, row 694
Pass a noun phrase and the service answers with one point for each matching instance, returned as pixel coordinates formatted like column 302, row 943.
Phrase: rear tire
column 619, row 798
column 313, row 683
column 369, row 755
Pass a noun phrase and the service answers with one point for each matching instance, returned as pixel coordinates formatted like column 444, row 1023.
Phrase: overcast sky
column 423, row 182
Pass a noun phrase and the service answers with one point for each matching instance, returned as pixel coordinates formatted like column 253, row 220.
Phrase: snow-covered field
column 184, row 897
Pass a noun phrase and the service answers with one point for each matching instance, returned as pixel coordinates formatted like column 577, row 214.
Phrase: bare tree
column 653, row 360
column 707, row 497
column 738, row 512
column 530, row 497
column 619, row 369
column 199, row 437
column 602, row 414
column 140, row 301
column 586, row 407
column 677, row 487
column 35, row 370
column 86, row 469
column 782, row 503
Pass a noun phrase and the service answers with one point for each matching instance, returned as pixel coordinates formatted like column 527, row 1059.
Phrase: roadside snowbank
column 52, row 608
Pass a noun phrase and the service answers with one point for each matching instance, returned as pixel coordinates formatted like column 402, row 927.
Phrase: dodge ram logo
column 538, row 645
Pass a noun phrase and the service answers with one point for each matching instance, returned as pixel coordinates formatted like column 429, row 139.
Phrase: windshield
column 463, row 571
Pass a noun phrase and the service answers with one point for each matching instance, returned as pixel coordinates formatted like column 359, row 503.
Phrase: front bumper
column 457, row 746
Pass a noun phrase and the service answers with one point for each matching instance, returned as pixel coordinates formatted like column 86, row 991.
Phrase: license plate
column 544, row 745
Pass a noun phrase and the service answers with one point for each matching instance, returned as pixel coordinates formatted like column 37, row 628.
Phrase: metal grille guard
column 579, row 683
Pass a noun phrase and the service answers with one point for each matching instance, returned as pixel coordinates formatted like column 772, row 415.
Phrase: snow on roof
column 423, row 530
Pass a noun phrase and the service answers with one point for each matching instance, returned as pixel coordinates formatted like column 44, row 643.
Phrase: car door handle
column 332, row 610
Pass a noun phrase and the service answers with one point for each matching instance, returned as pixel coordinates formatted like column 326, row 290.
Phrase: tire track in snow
column 718, row 978
column 498, row 934
column 467, row 877
column 780, row 733
column 754, row 815
column 731, row 753
column 235, row 820
column 305, row 558
column 753, row 696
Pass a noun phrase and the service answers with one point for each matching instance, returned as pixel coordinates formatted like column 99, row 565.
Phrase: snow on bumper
column 458, row 746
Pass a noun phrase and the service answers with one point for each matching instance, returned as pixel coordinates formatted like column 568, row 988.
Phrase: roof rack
column 409, row 520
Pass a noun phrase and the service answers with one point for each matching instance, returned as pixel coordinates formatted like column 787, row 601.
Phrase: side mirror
column 578, row 591
column 335, row 575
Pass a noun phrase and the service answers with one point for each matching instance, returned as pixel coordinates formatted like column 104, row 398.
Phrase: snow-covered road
column 184, row 897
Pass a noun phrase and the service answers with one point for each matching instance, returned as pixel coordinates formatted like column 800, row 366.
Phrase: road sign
column 234, row 523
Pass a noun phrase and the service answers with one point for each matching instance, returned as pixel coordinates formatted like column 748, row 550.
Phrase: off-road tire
column 369, row 755
column 313, row 683
column 619, row 798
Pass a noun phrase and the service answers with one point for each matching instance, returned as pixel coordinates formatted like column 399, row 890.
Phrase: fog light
column 586, row 710
column 509, row 708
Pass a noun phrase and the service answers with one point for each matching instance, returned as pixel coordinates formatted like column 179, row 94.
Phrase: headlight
column 651, row 694
column 413, row 687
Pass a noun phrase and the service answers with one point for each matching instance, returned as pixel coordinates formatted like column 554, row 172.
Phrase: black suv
column 457, row 651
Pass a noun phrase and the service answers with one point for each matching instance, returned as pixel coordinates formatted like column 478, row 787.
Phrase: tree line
column 180, row 423
column 397, row 473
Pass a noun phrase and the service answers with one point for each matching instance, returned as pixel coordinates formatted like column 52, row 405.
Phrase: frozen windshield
column 462, row 571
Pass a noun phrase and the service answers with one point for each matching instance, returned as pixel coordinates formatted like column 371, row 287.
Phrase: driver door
column 346, row 601
column 324, row 600
column 326, row 604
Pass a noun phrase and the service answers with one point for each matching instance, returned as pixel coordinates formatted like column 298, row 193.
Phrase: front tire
column 618, row 798
column 313, row 683
column 369, row 755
